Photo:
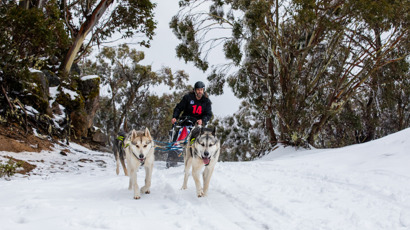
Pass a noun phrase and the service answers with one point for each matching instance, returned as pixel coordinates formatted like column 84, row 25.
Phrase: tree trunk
column 272, row 135
column 24, row 4
column 317, row 127
column 371, row 113
column 86, row 27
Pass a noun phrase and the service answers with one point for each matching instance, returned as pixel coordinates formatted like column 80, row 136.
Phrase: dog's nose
column 141, row 156
column 206, row 153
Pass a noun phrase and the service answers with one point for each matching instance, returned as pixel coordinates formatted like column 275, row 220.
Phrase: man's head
column 199, row 89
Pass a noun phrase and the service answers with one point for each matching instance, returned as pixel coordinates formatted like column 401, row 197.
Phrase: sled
column 177, row 135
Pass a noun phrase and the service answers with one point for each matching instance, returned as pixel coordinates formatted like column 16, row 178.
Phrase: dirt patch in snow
column 14, row 139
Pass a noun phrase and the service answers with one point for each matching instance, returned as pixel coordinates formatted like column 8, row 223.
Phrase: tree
column 130, row 104
column 98, row 22
column 30, row 38
column 242, row 135
column 302, row 61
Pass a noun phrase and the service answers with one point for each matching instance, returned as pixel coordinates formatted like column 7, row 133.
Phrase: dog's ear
column 214, row 131
column 147, row 133
column 195, row 132
column 133, row 134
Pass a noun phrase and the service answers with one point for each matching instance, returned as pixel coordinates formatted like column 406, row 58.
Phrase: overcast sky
column 162, row 53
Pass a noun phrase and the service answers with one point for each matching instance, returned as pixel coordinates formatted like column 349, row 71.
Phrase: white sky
column 162, row 53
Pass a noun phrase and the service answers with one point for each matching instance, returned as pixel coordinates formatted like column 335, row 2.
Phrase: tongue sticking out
column 206, row 160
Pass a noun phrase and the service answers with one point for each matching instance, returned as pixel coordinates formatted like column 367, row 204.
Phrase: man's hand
column 173, row 120
column 199, row 122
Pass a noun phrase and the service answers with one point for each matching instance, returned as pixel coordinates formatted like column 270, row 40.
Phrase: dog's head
column 206, row 144
column 140, row 144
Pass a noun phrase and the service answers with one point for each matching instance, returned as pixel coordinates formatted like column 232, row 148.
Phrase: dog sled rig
column 164, row 146
column 178, row 135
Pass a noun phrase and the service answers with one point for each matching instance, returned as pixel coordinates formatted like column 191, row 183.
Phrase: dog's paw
column 137, row 195
column 145, row 190
column 183, row 188
column 200, row 193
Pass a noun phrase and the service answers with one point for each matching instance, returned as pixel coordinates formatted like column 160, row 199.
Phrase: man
column 195, row 104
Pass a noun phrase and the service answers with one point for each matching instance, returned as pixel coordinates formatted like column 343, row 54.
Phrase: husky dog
column 139, row 150
column 202, row 149
column 118, row 149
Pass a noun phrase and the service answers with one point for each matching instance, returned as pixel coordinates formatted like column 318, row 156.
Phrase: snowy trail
column 358, row 187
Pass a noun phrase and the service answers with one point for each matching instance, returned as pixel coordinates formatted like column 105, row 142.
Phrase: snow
column 73, row 95
column 30, row 110
column 34, row 70
column 363, row 186
column 85, row 78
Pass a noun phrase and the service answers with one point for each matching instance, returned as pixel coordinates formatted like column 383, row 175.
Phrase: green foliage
column 323, row 72
column 256, row 13
column 218, row 81
column 189, row 50
column 28, row 39
column 241, row 135
column 32, row 34
column 9, row 169
column 131, row 17
column 237, row 30
column 233, row 51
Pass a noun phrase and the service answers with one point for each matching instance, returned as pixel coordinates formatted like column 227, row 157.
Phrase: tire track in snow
column 252, row 203
column 353, row 188
column 304, row 190
column 346, row 184
column 190, row 211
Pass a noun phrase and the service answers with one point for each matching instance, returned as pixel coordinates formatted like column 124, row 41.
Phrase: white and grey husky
column 202, row 150
column 139, row 150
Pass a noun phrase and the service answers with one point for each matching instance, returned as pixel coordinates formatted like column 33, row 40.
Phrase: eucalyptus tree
column 29, row 38
column 298, row 62
column 99, row 20
column 128, row 101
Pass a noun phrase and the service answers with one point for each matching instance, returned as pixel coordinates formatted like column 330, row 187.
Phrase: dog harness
column 121, row 139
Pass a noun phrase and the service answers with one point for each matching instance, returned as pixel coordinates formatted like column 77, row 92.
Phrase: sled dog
column 118, row 149
column 202, row 150
column 139, row 150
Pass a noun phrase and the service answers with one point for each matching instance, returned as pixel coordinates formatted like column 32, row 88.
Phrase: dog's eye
column 210, row 145
column 137, row 146
column 203, row 145
column 145, row 146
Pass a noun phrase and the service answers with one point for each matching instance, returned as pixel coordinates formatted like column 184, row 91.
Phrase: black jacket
column 199, row 109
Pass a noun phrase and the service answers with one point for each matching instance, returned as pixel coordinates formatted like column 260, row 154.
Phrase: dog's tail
column 118, row 149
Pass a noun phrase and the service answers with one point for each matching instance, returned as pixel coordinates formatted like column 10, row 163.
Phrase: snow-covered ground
column 364, row 186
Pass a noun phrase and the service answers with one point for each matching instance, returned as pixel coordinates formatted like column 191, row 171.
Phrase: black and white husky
column 202, row 150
